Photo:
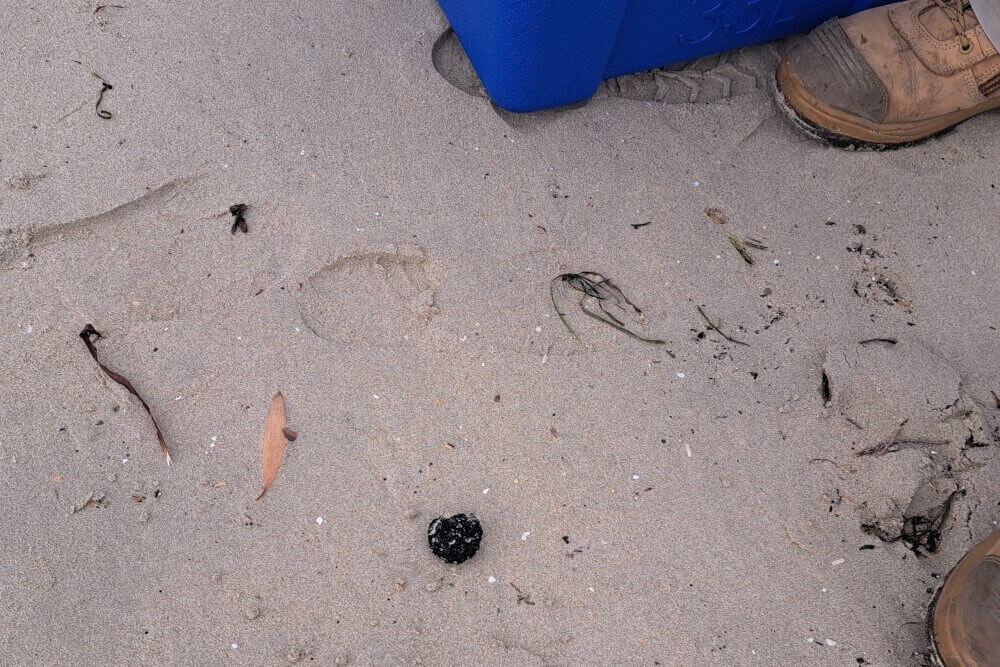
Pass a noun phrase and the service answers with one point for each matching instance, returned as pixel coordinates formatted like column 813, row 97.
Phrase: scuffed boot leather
column 890, row 76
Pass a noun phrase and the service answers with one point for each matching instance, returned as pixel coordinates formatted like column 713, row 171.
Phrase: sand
column 698, row 502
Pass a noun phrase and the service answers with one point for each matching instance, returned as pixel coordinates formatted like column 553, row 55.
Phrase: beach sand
column 696, row 502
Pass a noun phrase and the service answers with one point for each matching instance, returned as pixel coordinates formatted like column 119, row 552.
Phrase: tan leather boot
column 966, row 617
column 890, row 76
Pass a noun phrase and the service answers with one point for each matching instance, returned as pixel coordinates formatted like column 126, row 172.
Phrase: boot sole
column 817, row 120
column 933, row 654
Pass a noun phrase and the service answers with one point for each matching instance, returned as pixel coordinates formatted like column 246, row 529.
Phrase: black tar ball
column 455, row 539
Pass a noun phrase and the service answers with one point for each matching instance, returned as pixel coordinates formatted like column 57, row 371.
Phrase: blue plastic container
column 536, row 54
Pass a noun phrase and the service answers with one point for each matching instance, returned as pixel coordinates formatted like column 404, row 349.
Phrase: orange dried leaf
column 272, row 453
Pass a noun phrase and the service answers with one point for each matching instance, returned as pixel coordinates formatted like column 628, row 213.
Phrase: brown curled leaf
column 272, row 453
column 89, row 335
column 289, row 434
column 716, row 215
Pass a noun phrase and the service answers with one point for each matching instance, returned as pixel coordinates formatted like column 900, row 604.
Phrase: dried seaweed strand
column 716, row 329
column 562, row 316
column 919, row 531
column 105, row 87
column 89, row 335
column 600, row 288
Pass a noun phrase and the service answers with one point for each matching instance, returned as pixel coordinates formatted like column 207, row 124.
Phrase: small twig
column 99, row 8
column 70, row 113
column 521, row 595
column 637, row 225
column 869, row 341
column 838, row 466
column 716, row 329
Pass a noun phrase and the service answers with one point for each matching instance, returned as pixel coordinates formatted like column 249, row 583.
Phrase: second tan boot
column 890, row 76
column 965, row 625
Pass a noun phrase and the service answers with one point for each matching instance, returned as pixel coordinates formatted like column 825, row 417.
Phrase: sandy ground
column 699, row 502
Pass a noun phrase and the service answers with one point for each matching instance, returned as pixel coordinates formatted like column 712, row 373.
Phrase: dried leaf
column 88, row 334
column 290, row 434
column 716, row 215
column 272, row 453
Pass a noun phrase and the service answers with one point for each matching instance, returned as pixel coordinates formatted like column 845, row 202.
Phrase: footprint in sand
column 921, row 443
column 373, row 296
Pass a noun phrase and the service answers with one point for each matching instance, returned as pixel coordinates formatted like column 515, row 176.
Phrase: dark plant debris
column 714, row 327
column 898, row 443
column 996, row 399
column 638, row 225
column 89, row 336
column 596, row 288
column 455, row 539
column 887, row 341
column 824, row 389
column 99, row 8
column 239, row 222
column 521, row 595
column 105, row 87
column 290, row 434
column 921, row 533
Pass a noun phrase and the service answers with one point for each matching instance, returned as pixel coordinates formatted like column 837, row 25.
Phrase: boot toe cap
column 830, row 69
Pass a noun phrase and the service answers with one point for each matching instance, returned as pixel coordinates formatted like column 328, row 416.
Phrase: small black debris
column 866, row 547
column 239, row 223
column 455, row 539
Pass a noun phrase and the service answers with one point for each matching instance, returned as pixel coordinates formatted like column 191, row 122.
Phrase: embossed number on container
column 754, row 10
column 710, row 12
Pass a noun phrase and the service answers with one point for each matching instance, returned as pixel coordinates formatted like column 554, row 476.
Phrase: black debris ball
column 455, row 539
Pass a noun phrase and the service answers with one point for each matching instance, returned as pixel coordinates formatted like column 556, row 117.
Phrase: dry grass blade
column 718, row 217
column 89, row 335
column 741, row 247
column 272, row 452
